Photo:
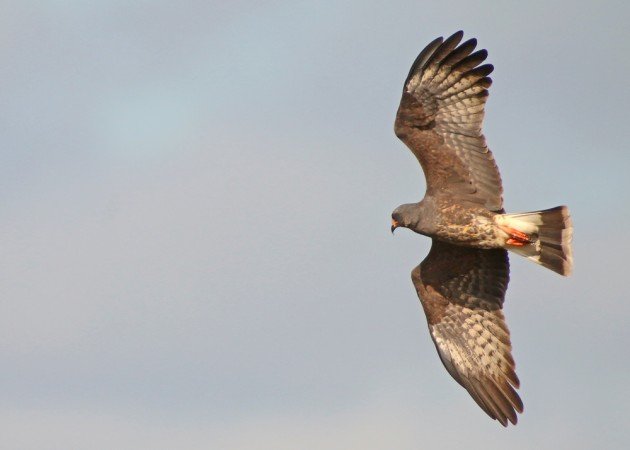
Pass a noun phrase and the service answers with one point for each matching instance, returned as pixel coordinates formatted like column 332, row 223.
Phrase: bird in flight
column 463, row 280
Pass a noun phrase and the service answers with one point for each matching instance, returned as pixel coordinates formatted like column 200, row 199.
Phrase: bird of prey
column 462, row 281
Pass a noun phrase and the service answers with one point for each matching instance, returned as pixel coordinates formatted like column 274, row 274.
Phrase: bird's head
column 396, row 221
column 403, row 215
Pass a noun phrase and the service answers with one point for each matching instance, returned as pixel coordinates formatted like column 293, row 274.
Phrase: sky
column 194, row 223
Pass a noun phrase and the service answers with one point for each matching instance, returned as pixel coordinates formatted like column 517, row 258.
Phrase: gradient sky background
column 194, row 224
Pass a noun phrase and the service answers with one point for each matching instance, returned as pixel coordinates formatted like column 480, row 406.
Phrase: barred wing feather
column 462, row 290
column 440, row 118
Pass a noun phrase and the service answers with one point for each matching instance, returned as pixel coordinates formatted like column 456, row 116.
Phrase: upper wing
column 462, row 290
column 440, row 117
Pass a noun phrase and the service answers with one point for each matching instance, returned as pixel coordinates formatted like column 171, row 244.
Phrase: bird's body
column 463, row 280
column 459, row 224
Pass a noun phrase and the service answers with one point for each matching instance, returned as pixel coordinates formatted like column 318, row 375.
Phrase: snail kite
column 462, row 282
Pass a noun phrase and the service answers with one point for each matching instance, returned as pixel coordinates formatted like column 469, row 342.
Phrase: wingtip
column 455, row 37
column 422, row 58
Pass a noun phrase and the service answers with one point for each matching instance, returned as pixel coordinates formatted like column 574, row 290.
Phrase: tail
column 541, row 236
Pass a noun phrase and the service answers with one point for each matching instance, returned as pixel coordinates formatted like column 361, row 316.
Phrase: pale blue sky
column 195, row 225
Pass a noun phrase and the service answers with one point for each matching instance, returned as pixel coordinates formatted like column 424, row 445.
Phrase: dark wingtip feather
column 486, row 82
column 481, row 389
column 471, row 61
column 445, row 49
column 481, row 71
column 459, row 34
column 455, row 37
column 512, row 377
column 424, row 55
column 461, row 52
column 510, row 394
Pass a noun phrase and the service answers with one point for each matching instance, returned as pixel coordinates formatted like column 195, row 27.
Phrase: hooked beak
column 395, row 225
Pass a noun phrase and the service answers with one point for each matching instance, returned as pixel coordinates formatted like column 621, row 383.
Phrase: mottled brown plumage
column 440, row 117
column 463, row 280
column 462, row 291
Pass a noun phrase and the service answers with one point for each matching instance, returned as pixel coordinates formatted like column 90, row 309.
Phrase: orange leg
column 517, row 238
